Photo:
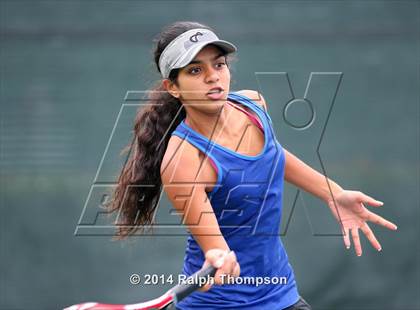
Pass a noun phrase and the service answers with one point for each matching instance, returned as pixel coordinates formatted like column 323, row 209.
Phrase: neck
column 209, row 124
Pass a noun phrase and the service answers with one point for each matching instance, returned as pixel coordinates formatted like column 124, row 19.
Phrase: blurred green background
column 65, row 69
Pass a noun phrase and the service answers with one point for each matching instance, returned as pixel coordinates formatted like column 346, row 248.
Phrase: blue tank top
column 247, row 201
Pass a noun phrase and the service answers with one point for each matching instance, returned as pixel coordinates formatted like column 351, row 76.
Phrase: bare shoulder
column 254, row 96
column 180, row 173
column 178, row 156
column 183, row 163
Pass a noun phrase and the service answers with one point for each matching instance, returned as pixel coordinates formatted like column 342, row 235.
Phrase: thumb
column 215, row 257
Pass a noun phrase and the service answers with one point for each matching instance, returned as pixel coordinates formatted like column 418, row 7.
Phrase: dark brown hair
column 139, row 185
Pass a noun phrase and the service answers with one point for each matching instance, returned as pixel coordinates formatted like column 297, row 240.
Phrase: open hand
column 349, row 210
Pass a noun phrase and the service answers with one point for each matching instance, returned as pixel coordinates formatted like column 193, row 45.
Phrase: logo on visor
column 194, row 37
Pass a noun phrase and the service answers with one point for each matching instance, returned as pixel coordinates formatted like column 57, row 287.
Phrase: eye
column 194, row 70
column 221, row 64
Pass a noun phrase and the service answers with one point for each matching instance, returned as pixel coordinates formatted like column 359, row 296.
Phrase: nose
column 212, row 75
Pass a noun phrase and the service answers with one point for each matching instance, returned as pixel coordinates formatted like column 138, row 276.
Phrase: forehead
column 208, row 52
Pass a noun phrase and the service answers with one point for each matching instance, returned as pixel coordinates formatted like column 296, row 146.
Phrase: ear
column 171, row 88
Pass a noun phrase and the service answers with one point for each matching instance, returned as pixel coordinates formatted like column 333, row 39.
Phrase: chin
column 215, row 105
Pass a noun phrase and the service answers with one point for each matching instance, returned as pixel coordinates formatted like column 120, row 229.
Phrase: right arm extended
column 185, row 188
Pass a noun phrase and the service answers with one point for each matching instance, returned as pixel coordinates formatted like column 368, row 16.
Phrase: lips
column 215, row 90
column 216, row 95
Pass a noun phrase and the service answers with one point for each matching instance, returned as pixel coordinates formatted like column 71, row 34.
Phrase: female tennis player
column 215, row 154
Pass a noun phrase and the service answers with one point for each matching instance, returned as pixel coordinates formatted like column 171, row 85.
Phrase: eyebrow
column 199, row 61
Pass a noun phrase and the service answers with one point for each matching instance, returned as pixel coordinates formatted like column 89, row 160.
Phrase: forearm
column 203, row 225
column 208, row 235
column 303, row 176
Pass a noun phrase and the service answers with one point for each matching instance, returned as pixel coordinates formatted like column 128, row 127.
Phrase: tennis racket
column 166, row 301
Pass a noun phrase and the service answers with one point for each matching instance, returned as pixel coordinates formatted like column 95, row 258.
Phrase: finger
column 230, row 263
column 371, row 236
column 205, row 288
column 346, row 237
column 227, row 269
column 370, row 201
column 220, row 277
column 356, row 241
column 374, row 218
column 237, row 270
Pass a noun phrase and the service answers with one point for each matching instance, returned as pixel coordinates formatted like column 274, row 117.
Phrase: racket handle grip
column 183, row 290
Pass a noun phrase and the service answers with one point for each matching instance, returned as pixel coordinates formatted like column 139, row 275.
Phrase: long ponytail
column 139, row 185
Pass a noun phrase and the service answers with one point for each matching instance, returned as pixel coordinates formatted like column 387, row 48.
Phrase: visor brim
column 189, row 56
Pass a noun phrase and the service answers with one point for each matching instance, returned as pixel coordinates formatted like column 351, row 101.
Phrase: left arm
column 347, row 206
column 296, row 171
column 303, row 176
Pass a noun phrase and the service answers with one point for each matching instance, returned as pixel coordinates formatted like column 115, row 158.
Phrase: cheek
column 226, row 80
column 187, row 87
column 226, row 75
column 192, row 90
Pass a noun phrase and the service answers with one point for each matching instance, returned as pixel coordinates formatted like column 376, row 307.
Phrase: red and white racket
column 166, row 301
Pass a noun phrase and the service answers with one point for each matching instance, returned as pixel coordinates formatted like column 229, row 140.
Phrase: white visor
column 182, row 50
